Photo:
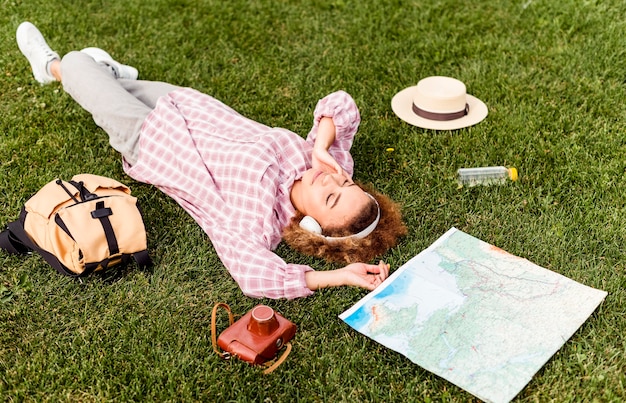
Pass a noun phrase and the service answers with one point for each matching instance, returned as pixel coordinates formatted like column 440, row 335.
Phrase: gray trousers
column 118, row 106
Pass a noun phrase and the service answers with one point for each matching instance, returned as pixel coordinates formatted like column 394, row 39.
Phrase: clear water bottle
column 485, row 176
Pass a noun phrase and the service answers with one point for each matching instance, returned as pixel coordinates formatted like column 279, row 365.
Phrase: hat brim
column 402, row 105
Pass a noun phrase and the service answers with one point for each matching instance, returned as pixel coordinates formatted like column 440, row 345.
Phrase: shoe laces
column 43, row 46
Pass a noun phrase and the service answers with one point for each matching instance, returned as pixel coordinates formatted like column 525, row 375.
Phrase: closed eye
column 346, row 183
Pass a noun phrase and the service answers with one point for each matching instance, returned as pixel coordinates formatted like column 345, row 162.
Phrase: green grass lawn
column 552, row 73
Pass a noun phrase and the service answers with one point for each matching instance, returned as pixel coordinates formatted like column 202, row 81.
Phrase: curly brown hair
column 389, row 229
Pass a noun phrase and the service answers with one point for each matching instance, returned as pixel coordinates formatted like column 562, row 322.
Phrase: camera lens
column 262, row 313
column 263, row 321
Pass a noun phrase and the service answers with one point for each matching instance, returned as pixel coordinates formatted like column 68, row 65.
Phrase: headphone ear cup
column 310, row 224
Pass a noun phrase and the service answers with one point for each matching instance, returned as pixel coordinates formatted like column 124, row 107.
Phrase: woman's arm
column 362, row 275
column 336, row 120
column 325, row 138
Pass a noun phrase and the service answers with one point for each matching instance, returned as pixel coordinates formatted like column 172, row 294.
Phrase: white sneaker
column 120, row 70
column 33, row 45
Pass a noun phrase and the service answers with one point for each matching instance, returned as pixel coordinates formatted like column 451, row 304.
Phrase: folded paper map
column 475, row 315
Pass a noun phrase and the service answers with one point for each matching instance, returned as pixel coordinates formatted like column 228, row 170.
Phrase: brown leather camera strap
column 279, row 361
column 231, row 320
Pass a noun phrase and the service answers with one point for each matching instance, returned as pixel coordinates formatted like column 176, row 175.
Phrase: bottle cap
column 513, row 174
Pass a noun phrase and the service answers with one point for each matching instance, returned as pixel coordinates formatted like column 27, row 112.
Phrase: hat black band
column 440, row 116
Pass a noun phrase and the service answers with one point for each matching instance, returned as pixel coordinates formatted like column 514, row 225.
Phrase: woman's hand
column 368, row 276
column 321, row 158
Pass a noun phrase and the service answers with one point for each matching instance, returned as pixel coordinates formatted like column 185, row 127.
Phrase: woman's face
column 332, row 199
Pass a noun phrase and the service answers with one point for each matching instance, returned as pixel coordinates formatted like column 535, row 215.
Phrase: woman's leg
column 147, row 92
column 114, row 109
column 119, row 106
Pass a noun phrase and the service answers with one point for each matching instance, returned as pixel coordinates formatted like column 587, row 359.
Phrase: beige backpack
column 86, row 225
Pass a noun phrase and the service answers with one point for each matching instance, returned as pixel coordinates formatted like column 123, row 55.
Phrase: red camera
column 255, row 338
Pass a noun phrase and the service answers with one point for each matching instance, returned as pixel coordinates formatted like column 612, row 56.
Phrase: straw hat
column 439, row 103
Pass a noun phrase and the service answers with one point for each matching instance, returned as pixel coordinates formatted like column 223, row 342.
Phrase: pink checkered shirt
column 234, row 175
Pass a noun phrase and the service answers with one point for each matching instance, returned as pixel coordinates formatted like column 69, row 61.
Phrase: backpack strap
column 10, row 243
column 17, row 232
column 142, row 258
column 85, row 194
column 102, row 213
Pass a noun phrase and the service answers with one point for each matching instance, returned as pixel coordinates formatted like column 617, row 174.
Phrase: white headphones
column 310, row 224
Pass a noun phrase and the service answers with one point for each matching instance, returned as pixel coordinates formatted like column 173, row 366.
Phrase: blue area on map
column 359, row 318
column 362, row 316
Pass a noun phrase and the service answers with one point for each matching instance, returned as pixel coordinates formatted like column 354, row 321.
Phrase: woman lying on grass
column 247, row 185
